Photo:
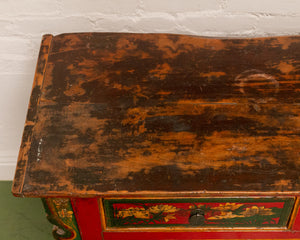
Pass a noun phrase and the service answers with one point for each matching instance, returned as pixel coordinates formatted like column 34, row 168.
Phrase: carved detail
column 60, row 214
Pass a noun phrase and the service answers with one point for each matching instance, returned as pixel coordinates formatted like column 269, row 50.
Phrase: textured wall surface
column 23, row 22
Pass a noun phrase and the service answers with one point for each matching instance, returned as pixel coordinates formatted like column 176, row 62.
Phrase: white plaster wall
column 23, row 22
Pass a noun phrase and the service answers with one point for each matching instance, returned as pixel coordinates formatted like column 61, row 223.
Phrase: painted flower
column 169, row 217
column 254, row 210
column 135, row 212
column 64, row 213
column 227, row 207
column 143, row 213
column 162, row 208
column 224, row 215
column 61, row 202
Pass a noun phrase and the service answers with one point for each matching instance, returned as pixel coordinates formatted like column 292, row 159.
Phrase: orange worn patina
column 115, row 112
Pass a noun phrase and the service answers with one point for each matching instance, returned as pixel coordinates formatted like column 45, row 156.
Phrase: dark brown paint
column 159, row 112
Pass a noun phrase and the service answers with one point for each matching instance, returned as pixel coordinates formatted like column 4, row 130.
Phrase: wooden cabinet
column 162, row 136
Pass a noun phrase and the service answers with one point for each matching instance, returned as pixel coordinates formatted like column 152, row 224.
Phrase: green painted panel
column 215, row 212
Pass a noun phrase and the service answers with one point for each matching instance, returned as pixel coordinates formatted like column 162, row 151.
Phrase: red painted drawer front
column 216, row 212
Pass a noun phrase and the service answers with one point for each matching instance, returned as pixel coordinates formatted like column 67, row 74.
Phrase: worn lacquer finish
column 32, row 116
column 160, row 112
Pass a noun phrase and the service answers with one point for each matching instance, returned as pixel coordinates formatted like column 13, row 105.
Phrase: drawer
column 198, row 213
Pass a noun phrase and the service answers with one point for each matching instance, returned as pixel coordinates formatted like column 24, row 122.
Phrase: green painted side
column 22, row 218
column 63, row 217
column 256, row 221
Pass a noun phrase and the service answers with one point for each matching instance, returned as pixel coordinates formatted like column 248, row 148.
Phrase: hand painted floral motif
column 250, row 213
column 63, row 209
column 228, row 206
column 134, row 212
column 156, row 213
column 169, row 217
column 224, row 215
column 238, row 213
column 60, row 214
column 227, row 211
column 163, row 208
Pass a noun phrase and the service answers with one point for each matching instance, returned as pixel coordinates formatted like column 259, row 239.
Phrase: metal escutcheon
column 197, row 217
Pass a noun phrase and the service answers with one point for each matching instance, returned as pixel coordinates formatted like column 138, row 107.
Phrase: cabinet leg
column 61, row 215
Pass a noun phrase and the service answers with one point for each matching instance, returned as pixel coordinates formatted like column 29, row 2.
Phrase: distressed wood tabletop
column 118, row 112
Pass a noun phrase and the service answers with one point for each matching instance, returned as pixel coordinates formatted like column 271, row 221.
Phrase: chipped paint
column 39, row 150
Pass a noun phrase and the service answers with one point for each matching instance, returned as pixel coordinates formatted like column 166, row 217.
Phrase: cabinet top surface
column 116, row 112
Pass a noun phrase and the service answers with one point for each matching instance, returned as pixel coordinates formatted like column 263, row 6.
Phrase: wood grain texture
column 160, row 112
column 31, row 115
